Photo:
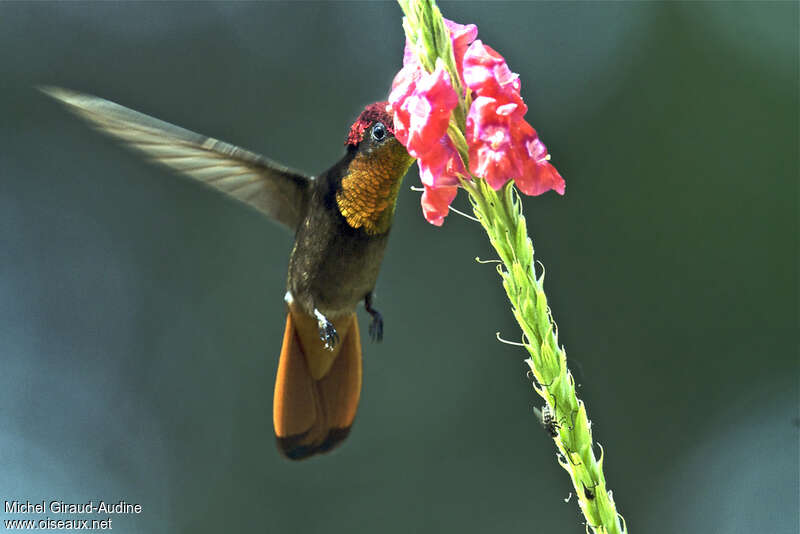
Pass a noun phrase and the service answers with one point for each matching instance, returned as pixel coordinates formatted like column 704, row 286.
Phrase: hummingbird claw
column 376, row 325
column 327, row 332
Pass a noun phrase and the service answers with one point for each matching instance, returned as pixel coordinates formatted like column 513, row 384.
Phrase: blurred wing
column 275, row 190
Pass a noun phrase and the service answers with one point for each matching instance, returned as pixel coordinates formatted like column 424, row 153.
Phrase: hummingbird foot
column 376, row 325
column 327, row 332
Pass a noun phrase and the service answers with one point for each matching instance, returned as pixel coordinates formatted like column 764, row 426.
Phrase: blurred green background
column 141, row 315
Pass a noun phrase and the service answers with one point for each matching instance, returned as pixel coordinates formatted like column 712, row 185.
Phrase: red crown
column 372, row 113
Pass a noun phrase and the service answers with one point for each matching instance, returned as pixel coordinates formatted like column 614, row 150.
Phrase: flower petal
column 462, row 35
column 537, row 175
column 487, row 73
column 441, row 165
column 403, row 87
column 503, row 147
column 422, row 103
column 540, row 178
column 436, row 203
column 491, row 143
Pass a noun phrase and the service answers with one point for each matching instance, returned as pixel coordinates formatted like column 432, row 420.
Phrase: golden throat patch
column 369, row 189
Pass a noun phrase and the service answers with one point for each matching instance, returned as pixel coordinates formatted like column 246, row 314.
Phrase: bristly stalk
column 500, row 214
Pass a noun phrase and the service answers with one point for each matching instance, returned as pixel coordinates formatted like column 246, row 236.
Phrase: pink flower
column 502, row 145
column 486, row 73
column 421, row 103
column 441, row 165
column 489, row 138
column 461, row 35
column 436, row 203
column 538, row 175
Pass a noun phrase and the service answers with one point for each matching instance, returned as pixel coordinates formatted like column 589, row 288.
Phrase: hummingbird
column 340, row 219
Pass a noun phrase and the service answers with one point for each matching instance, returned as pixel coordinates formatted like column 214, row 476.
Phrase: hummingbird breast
column 341, row 239
column 333, row 266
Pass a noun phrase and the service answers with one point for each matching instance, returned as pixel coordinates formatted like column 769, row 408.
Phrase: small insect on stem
column 547, row 419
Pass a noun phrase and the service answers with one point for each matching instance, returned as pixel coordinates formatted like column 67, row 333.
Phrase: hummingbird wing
column 255, row 180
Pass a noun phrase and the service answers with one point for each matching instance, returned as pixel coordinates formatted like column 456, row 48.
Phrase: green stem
column 500, row 214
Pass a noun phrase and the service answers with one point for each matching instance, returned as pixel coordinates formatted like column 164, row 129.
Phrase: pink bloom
column 538, row 176
column 436, row 203
column 441, row 165
column 502, row 145
column 439, row 171
column 489, row 138
column 461, row 35
column 403, row 87
column 486, row 72
column 421, row 103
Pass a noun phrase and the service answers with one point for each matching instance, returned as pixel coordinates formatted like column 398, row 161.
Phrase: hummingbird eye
column 379, row 131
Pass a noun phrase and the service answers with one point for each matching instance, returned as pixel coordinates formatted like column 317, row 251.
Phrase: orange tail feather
column 316, row 390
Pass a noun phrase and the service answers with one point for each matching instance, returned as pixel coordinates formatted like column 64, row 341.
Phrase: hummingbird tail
column 316, row 390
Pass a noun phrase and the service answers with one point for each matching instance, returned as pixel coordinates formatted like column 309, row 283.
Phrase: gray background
column 141, row 315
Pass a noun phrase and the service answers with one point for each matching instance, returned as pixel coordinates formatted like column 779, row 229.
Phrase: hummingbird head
column 371, row 182
column 376, row 120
